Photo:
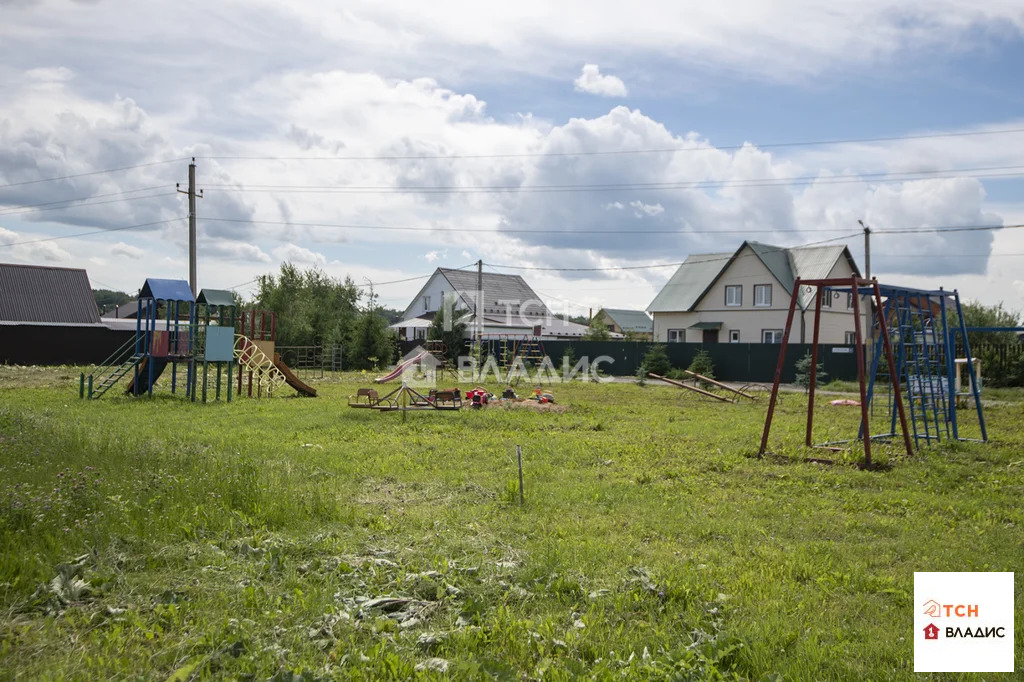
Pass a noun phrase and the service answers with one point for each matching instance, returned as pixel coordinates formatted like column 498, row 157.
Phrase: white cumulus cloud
column 596, row 83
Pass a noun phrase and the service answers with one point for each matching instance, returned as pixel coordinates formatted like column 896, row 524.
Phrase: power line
column 663, row 150
column 86, row 234
column 405, row 228
column 845, row 179
column 87, row 203
column 91, row 196
column 95, row 172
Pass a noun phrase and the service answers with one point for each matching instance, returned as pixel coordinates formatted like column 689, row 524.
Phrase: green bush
column 703, row 364
column 656, row 361
column 803, row 372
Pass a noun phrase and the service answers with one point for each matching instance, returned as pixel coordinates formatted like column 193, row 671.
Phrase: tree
column 656, row 360
column 703, row 364
column 107, row 299
column 597, row 331
column 453, row 337
column 374, row 340
column 313, row 309
column 990, row 346
column 803, row 372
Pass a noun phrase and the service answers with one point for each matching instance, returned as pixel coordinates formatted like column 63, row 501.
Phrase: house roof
column 167, row 290
column 33, row 293
column 123, row 311
column 503, row 294
column 216, row 297
column 688, row 284
column 699, row 272
column 630, row 320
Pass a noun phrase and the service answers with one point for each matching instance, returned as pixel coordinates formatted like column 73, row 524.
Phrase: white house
column 509, row 307
column 744, row 296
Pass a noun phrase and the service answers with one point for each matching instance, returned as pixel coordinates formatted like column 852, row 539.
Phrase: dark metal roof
column 216, row 297
column 35, row 293
column 167, row 290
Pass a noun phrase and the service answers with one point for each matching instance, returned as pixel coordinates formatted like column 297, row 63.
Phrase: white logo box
column 974, row 616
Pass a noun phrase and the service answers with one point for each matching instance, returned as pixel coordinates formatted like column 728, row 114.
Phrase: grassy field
column 154, row 538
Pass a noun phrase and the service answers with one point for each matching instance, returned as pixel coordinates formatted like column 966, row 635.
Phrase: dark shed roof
column 35, row 293
column 216, row 297
column 167, row 290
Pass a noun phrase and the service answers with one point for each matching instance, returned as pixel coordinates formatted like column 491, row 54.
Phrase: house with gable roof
column 743, row 296
column 508, row 307
column 636, row 323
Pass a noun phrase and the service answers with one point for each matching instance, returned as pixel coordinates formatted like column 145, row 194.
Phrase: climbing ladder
column 102, row 377
column 924, row 340
column 265, row 374
column 530, row 351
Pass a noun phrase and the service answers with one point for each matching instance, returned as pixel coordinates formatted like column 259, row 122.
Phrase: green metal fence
column 745, row 362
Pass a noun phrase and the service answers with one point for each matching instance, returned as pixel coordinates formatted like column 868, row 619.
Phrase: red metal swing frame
column 856, row 284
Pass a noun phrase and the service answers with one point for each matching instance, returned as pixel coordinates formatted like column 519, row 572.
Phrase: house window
column 734, row 294
column 762, row 295
column 426, row 303
column 734, row 336
column 851, row 338
column 826, row 299
column 849, row 301
column 676, row 335
column 771, row 336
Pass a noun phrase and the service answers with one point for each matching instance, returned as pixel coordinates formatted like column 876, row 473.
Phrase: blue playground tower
column 171, row 328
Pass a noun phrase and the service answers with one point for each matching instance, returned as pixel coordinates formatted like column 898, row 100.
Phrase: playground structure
column 213, row 339
column 817, row 285
column 706, row 380
column 173, row 328
column 914, row 334
column 164, row 334
column 921, row 330
column 405, row 398
column 514, row 353
column 260, row 369
column 431, row 357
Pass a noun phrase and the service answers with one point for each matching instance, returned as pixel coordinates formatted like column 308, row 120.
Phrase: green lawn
column 160, row 539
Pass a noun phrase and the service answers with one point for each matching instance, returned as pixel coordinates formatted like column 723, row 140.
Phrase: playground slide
column 159, row 364
column 292, row 380
column 402, row 366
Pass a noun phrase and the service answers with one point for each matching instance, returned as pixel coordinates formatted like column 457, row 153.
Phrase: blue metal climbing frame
column 920, row 330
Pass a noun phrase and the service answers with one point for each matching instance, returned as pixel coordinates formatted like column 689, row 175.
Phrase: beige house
column 743, row 296
column 633, row 323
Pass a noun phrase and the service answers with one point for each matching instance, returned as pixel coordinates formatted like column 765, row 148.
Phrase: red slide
column 402, row 366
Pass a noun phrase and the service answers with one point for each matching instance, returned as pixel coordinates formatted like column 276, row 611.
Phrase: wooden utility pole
column 869, row 351
column 191, row 224
column 479, row 302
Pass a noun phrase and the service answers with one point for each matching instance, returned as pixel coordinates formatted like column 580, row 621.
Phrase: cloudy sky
column 383, row 139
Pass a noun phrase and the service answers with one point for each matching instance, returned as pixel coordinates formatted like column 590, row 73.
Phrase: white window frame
column 851, row 338
column 738, row 288
column 680, row 336
column 849, row 300
column 762, row 287
column 426, row 303
column 775, row 333
column 734, row 336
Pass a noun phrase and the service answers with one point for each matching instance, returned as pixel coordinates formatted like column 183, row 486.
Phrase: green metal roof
column 696, row 275
column 219, row 297
column 706, row 325
column 630, row 320
column 689, row 282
